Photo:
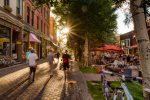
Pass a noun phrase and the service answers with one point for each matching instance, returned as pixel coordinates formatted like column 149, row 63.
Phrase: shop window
column 4, row 41
column 28, row 15
column 6, row 2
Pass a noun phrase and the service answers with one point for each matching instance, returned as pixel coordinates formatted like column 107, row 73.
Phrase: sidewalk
column 82, row 92
column 15, row 85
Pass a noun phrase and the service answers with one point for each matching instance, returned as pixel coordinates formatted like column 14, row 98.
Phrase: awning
column 32, row 38
column 108, row 48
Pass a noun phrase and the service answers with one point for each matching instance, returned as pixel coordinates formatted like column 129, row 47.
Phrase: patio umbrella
column 113, row 48
column 108, row 48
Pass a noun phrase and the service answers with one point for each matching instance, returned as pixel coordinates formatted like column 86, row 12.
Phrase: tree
column 136, row 8
column 90, row 19
column 143, row 42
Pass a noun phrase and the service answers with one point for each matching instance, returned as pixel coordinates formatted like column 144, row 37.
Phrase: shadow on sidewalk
column 15, row 91
column 39, row 96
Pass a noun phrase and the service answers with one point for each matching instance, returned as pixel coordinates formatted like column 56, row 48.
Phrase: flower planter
column 99, row 69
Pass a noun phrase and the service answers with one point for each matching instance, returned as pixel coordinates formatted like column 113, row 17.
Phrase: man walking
column 32, row 58
column 66, row 58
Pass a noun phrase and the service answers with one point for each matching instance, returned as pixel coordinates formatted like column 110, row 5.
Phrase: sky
column 121, row 27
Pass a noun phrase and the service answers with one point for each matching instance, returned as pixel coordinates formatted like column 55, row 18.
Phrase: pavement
column 15, row 85
column 81, row 91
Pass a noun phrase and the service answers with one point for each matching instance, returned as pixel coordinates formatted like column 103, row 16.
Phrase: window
column 44, row 28
column 32, row 18
column 47, row 30
column 6, row 2
column 37, row 22
column 28, row 15
column 127, row 43
column 18, row 7
column 44, row 12
column 41, row 25
column 41, row 10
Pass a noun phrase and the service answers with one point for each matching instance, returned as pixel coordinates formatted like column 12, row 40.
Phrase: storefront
column 4, row 41
column 10, row 41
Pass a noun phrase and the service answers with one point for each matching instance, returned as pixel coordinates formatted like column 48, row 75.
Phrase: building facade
column 128, row 43
column 23, row 26
column 52, row 32
column 11, row 28
column 36, row 21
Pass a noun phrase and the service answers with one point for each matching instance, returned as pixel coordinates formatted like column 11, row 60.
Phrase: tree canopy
column 93, row 18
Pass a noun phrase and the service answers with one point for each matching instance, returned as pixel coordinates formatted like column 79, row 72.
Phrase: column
column 11, row 34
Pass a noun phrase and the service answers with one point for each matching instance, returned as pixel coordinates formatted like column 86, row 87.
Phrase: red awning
column 108, row 48
column 32, row 38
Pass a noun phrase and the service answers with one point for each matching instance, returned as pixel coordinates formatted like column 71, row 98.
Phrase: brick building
column 11, row 29
column 36, row 21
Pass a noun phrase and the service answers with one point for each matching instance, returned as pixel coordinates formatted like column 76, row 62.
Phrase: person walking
column 51, row 61
column 66, row 57
column 58, row 54
column 32, row 58
column 27, row 54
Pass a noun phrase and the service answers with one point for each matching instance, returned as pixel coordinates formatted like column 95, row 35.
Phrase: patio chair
column 128, row 74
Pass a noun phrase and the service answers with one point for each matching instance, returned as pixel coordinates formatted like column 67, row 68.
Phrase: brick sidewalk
column 15, row 86
column 81, row 93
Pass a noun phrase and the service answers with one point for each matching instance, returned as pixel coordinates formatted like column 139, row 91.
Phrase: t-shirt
column 66, row 58
column 32, row 59
column 51, row 58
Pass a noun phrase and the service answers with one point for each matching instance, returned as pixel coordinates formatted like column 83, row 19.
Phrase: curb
column 89, row 96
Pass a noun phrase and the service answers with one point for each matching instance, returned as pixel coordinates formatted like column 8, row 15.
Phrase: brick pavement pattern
column 14, row 84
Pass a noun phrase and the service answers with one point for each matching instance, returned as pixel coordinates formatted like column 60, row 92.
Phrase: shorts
column 65, row 66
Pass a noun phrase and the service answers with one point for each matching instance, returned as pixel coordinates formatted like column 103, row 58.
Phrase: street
column 14, row 83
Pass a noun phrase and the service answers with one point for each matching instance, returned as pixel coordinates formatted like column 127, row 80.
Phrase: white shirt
column 32, row 59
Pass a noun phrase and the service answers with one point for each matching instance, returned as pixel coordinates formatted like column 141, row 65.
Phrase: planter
column 99, row 69
column 7, row 7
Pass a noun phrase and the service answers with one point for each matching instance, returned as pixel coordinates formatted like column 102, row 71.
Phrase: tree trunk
column 143, row 42
column 86, row 51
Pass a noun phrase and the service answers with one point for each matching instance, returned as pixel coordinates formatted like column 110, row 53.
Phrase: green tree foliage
column 93, row 18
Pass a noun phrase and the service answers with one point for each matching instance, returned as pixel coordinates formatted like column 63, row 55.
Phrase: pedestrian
column 23, row 57
column 32, row 58
column 27, row 54
column 58, row 54
column 66, row 57
column 51, row 60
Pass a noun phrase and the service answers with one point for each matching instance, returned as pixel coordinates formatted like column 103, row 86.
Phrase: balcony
column 8, row 8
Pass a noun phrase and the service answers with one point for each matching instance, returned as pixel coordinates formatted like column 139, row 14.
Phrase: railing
column 105, row 88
